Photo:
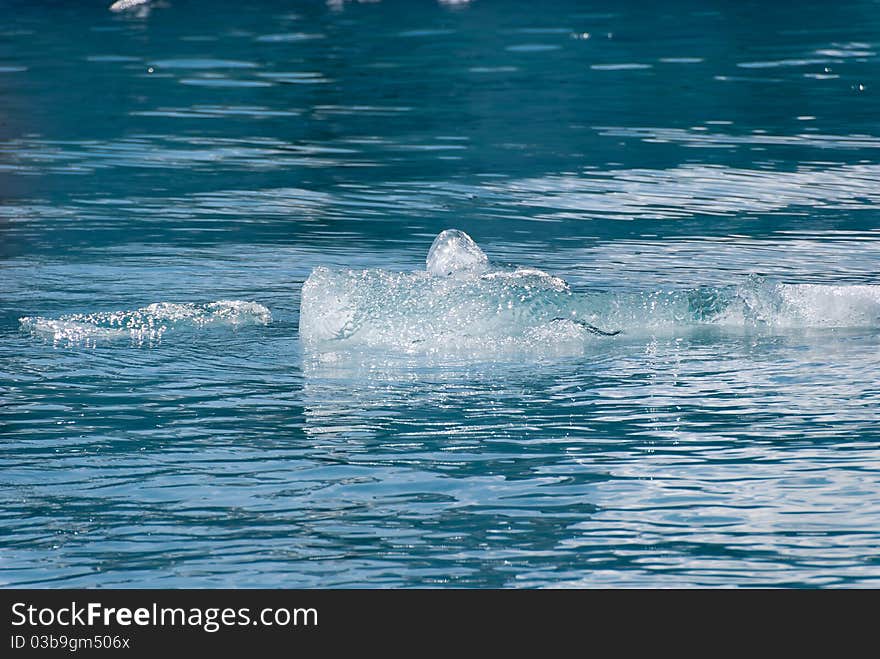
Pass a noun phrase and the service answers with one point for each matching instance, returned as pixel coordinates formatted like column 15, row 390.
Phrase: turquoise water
column 703, row 177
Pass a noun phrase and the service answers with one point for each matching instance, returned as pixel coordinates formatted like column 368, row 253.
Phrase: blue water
column 704, row 177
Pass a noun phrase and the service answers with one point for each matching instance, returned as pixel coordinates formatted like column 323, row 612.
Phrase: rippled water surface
column 703, row 177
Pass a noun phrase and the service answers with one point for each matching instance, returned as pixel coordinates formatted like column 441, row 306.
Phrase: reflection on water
column 164, row 155
column 626, row 468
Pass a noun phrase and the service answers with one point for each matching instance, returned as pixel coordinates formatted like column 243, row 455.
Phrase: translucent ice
column 148, row 324
column 453, row 252
column 462, row 305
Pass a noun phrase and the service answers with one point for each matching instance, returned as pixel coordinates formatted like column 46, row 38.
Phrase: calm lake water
column 171, row 175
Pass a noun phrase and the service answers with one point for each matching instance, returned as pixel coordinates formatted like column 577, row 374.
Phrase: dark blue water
column 204, row 157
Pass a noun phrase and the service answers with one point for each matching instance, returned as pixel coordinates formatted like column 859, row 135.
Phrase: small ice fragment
column 122, row 5
column 453, row 252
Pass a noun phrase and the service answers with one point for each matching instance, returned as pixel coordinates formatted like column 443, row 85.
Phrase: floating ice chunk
column 762, row 304
column 123, row 5
column 461, row 306
column 454, row 252
column 417, row 313
column 149, row 323
column 458, row 305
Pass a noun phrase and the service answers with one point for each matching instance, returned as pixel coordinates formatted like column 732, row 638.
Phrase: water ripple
column 648, row 156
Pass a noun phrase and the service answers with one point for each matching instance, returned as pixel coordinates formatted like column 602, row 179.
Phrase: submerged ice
column 462, row 303
column 149, row 323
